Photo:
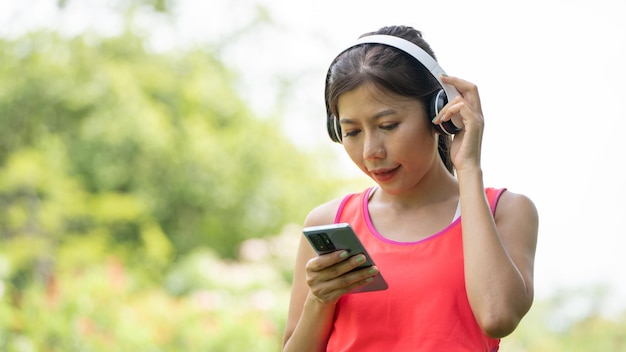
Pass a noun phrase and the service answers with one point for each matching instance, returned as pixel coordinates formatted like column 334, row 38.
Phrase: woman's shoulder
column 515, row 203
column 324, row 213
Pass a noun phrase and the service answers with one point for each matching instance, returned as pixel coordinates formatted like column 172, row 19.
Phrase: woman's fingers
column 330, row 291
column 464, row 109
column 468, row 90
column 331, row 275
column 324, row 261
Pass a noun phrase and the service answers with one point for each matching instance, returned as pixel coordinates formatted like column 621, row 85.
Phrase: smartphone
column 335, row 237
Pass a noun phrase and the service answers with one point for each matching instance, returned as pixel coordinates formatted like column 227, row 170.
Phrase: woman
column 457, row 282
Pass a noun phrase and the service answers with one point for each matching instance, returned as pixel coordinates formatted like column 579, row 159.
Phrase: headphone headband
column 448, row 127
column 414, row 50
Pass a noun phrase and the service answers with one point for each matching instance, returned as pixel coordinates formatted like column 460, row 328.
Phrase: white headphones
column 447, row 93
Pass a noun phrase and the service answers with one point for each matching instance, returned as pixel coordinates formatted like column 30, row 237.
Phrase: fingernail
column 444, row 74
column 343, row 254
column 360, row 259
column 434, row 119
column 372, row 270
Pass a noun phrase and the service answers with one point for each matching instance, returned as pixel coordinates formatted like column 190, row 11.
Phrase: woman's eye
column 389, row 127
column 351, row 133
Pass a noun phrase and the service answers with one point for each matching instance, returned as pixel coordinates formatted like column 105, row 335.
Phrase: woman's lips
column 384, row 175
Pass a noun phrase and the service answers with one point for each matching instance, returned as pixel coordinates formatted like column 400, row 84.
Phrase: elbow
column 498, row 324
column 498, row 327
column 500, row 320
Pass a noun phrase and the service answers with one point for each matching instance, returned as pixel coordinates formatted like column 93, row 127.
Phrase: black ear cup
column 333, row 128
column 332, row 123
column 439, row 100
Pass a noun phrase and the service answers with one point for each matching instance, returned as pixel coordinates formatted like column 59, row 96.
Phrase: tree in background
column 129, row 179
column 165, row 133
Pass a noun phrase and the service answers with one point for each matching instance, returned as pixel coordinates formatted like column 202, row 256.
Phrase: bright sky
column 551, row 75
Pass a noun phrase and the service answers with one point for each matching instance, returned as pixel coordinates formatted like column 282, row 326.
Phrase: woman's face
column 387, row 136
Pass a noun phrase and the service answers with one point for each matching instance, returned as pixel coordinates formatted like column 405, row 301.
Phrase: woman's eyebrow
column 374, row 117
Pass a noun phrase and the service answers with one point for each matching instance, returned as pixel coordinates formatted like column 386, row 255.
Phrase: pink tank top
column 425, row 307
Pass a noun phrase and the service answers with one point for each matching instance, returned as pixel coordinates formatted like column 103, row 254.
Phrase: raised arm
column 499, row 255
column 499, row 250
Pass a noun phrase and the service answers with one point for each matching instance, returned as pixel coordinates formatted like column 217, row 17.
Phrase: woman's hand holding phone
column 342, row 266
column 334, row 274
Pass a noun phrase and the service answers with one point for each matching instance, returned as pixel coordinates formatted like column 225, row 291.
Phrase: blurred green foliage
column 572, row 320
column 96, row 302
column 129, row 180
column 100, row 135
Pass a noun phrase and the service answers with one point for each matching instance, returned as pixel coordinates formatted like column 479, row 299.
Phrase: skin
column 390, row 140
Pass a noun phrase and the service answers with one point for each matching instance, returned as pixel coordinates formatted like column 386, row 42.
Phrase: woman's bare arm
column 318, row 283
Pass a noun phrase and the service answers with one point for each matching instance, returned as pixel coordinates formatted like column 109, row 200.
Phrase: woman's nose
column 373, row 148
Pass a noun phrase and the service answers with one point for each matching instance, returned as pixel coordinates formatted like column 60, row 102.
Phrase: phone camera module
column 322, row 242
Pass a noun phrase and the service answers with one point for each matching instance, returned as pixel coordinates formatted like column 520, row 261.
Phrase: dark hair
column 390, row 69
